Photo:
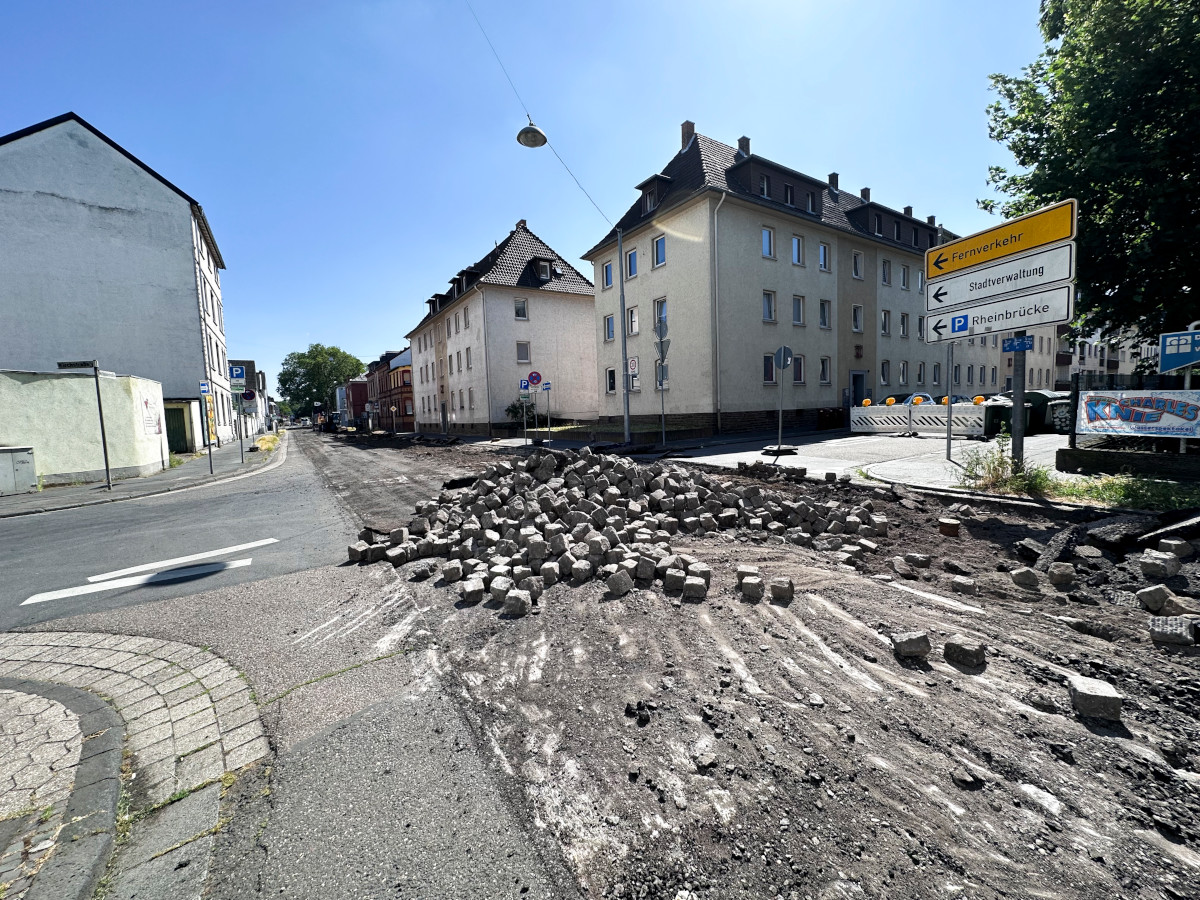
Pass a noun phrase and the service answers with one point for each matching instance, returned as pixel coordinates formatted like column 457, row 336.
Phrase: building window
column 543, row 270
column 768, row 243
column 408, row 407
column 885, row 321
column 995, row 337
column 609, row 327
column 797, row 250
column 660, row 250
column 993, row 375
column 878, row 224
column 970, row 374
column 458, row 359
column 826, row 369
column 631, row 320
column 826, row 315
column 406, row 378
column 797, row 370
column 856, row 268
column 466, row 317
column 764, row 185
column 650, row 199
column 885, row 371
column 522, row 351
column 797, row 310
column 897, row 231
column 456, row 323
column 768, row 368
column 631, row 264
column 904, row 278
column 606, row 276
column 886, row 270
column 937, row 373
column 470, row 398
column 660, row 310
column 904, row 371
column 447, row 328
column 914, row 237
column 520, row 309
column 660, row 372
column 768, row 306
column 920, row 373
column 823, row 257
column 610, row 381
column 811, row 203
column 789, row 195
column 450, row 361
column 957, row 374
column 856, row 319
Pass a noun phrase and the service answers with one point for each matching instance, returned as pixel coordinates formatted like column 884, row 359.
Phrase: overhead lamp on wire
column 531, row 136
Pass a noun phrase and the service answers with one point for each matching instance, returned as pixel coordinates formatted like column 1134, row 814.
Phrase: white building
column 103, row 258
column 520, row 309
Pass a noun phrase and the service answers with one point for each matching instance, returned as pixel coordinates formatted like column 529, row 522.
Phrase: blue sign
column 546, row 386
column 1178, row 349
column 205, row 389
column 958, row 323
column 1013, row 344
column 238, row 372
column 524, row 384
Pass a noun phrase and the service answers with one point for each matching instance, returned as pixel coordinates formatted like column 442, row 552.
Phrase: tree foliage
column 1109, row 113
column 314, row 376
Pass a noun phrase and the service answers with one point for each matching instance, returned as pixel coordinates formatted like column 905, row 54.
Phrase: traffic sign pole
column 1018, row 413
column 103, row 436
column 1187, row 386
column 949, row 396
column 241, row 443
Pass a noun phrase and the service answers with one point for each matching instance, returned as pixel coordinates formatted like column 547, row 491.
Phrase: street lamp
column 532, row 136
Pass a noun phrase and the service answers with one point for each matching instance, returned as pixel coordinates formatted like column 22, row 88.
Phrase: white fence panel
column 879, row 419
column 923, row 419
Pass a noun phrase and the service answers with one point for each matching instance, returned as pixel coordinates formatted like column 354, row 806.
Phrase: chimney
column 521, row 224
column 833, row 181
column 932, row 220
column 689, row 132
column 744, row 145
column 908, row 211
column 865, row 193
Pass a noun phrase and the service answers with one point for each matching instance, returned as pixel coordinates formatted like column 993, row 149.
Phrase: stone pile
column 573, row 516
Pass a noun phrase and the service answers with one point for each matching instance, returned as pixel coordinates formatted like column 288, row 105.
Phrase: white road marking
column 945, row 601
column 157, row 577
column 318, row 628
column 162, row 564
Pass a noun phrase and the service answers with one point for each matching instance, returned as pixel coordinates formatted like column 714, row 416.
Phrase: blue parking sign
column 524, row 384
column 958, row 323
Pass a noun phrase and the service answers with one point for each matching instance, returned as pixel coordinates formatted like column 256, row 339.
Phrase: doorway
column 858, row 387
column 177, row 441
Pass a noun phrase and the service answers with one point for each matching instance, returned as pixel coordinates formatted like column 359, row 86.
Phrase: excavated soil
column 788, row 753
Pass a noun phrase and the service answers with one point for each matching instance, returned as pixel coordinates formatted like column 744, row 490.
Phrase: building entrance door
column 176, row 430
column 445, row 419
column 858, row 388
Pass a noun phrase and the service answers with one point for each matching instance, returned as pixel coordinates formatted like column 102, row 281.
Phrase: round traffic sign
column 535, row 377
column 248, row 396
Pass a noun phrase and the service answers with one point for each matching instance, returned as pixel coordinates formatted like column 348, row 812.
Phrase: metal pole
column 949, row 395
column 548, row 417
column 624, row 330
column 1074, row 437
column 1018, row 414
column 779, row 379
column 103, row 436
column 535, row 393
column 241, row 444
column 525, row 419
column 662, row 396
column 208, row 402
column 1187, row 386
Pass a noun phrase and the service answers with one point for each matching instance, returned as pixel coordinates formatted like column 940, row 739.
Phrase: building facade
column 103, row 258
column 256, row 413
column 520, row 309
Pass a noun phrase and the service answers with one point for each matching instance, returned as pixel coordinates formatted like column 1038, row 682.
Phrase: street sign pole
column 1187, row 386
column 241, row 443
column 103, row 436
column 949, row 396
column 1018, row 413
column 660, row 331
column 208, row 411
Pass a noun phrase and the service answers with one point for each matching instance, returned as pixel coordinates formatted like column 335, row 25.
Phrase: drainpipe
column 716, row 304
column 487, row 372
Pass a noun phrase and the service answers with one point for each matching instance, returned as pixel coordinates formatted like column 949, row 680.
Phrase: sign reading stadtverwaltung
column 1149, row 413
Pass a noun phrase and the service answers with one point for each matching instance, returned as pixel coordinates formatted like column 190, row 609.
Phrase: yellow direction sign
column 1048, row 225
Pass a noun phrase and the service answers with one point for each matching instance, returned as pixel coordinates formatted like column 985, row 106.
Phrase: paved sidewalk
column 227, row 464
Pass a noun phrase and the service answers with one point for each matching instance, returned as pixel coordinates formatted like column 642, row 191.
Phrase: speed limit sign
column 633, row 365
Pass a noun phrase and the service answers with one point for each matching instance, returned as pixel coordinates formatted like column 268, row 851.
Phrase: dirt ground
column 789, row 753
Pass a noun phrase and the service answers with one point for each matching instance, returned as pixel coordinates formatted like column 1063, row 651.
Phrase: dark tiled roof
column 511, row 264
column 705, row 164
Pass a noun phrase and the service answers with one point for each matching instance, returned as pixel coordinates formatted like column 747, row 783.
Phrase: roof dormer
column 653, row 190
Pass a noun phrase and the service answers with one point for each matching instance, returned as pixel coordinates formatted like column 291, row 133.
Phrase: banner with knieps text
column 1146, row 413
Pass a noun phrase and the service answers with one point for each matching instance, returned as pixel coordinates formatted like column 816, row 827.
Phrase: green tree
column 1109, row 113
column 314, row 376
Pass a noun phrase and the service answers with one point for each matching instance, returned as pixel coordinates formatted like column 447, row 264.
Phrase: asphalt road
column 58, row 552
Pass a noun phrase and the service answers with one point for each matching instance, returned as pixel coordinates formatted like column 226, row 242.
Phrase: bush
column 993, row 470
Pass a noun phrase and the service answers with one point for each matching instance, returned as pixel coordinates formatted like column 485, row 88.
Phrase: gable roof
column 709, row 165
column 509, row 264
column 197, row 209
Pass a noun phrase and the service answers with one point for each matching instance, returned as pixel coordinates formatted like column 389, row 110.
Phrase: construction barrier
column 968, row 419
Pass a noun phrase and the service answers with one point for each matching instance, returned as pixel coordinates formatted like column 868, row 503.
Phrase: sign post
column 783, row 359
column 94, row 365
column 1018, row 407
column 209, row 420
column 524, row 397
column 546, row 388
column 949, row 397
column 535, row 378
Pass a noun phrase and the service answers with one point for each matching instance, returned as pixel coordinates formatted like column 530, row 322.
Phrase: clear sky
column 353, row 155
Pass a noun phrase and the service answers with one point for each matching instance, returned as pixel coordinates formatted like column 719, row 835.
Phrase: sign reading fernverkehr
column 1014, row 276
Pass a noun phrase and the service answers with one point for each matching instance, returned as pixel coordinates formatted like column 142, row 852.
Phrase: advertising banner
column 1144, row 413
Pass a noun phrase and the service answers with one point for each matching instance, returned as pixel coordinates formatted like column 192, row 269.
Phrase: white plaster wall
column 97, row 261
column 56, row 414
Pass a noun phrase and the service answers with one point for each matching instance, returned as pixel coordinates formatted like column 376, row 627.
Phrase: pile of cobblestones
column 572, row 516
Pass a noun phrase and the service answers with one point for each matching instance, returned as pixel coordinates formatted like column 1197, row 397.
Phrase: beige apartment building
column 740, row 255
column 522, row 308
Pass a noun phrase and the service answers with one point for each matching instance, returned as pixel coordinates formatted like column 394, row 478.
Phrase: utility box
column 18, row 475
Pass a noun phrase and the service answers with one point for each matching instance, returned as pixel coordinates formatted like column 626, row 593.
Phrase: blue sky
column 352, row 156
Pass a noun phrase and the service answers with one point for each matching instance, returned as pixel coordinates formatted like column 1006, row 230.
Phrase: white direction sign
column 1052, row 306
column 1018, row 274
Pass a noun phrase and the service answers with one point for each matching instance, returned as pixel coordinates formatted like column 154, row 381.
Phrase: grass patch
column 267, row 442
column 176, row 460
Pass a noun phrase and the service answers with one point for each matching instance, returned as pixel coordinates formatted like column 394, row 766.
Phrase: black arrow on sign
column 937, row 263
column 939, row 294
column 939, row 328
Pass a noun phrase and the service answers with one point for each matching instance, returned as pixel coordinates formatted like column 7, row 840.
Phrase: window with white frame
column 896, row 232
column 993, row 375
column 631, row 264
column 456, row 323
column 408, row 409
column 885, row 371
column 768, row 308
column 886, row 271
column 789, row 195
column 448, row 323
column 810, row 201
column 826, row 369
column 610, row 381
column 903, row 325
column 982, row 372
column 631, row 320
column 606, row 275
column 797, row 370
column 520, row 309
column 856, row 265
column 920, row 373
column 797, row 310
column 937, row 373
column 957, row 374
column 458, row 359
column 660, row 310
column 660, row 250
column 768, row 368
column 523, row 351
column 764, row 185
column 468, row 357
column 797, row 250
column 878, row 224
column 609, row 328
column 904, row 278
column 824, row 260
column 920, row 280
column 970, row 374
column 768, row 242
column 885, row 321
column 856, row 319
column 826, row 314
column 470, row 398
column 904, row 371
column 460, row 399
column 466, row 317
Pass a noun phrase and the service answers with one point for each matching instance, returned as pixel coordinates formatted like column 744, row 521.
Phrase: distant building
column 522, row 308
column 356, row 402
column 103, row 258
column 397, row 393
column 256, row 413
